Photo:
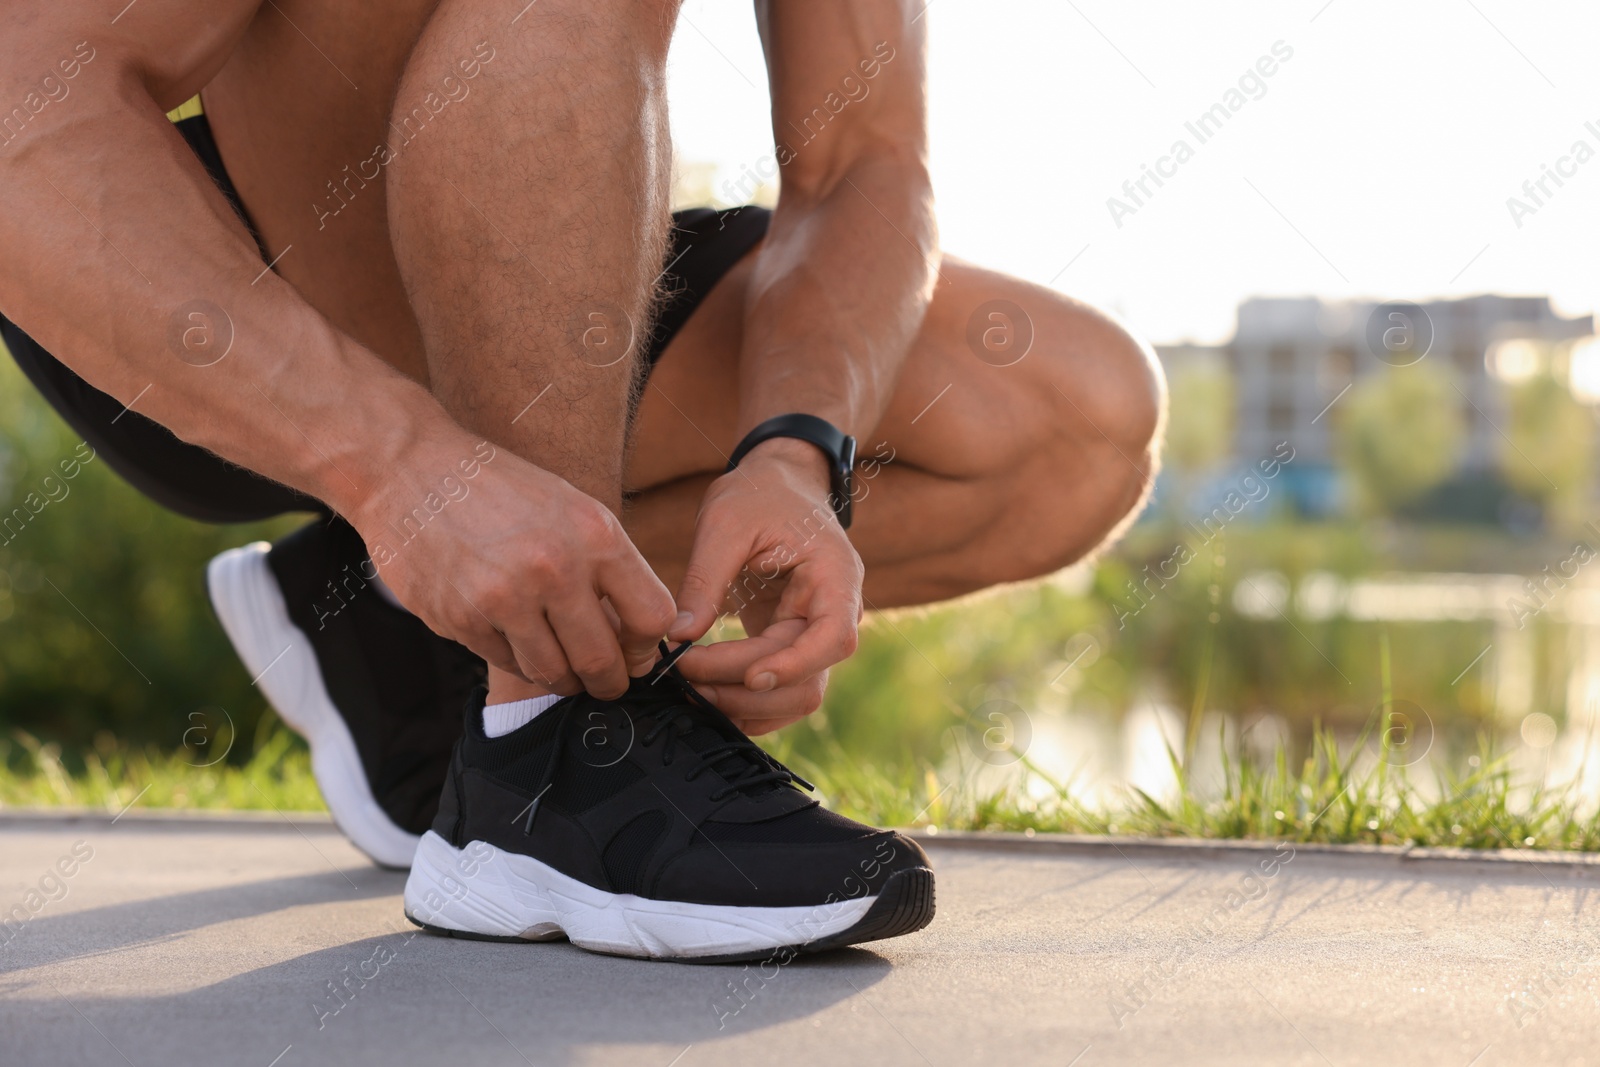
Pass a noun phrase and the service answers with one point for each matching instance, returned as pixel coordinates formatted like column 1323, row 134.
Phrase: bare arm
column 837, row 297
column 113, row 232
column 847, row 270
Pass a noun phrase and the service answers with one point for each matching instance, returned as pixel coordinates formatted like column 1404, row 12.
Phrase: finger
column 546, row 664
column 829, row 638
column 638, row 654
column 714, row 562
column 644, row 608
column 500, row 649
column 492, row 647
column 540, row 658
column 591, row 646
column 760, row 713
column 726, row 662
column 757, row 727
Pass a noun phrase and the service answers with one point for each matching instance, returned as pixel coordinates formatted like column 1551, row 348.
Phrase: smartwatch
column 838, row 446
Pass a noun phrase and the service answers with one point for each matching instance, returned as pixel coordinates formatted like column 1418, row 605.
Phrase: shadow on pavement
column 400, row 997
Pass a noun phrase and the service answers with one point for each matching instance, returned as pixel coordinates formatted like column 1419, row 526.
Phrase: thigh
column 1014, row 402
column 301, row 114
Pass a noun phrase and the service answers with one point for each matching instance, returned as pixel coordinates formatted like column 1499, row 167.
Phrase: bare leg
column 530, row 225
column 525, row 203
column 1011, row 473
column 297, row 111
column 1000, row 473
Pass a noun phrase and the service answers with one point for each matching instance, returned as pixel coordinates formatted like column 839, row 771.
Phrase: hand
column 767, row 531
column 718, row 672
column 534, row 576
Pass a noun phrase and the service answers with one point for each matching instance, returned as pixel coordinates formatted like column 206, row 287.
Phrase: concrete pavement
column 272, row 943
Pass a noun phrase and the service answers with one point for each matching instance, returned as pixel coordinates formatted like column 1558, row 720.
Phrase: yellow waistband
column 187, row 110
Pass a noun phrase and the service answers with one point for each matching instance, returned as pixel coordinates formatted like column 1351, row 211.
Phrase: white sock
column 501, row 719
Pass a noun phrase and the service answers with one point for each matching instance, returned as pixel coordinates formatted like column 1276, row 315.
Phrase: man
column 412, row 267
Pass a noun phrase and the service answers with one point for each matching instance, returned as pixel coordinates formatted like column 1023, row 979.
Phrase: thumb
column 714, row 562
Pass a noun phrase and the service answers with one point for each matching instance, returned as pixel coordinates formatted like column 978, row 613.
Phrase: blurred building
column 1293, row 358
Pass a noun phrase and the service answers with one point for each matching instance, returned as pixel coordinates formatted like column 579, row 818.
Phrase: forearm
column 847, row 270
column 124, row 260
column 839, row 293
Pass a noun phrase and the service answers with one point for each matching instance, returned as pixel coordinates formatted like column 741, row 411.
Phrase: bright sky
column 1377, row 164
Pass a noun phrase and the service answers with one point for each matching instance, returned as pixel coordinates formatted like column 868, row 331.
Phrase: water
column 1534, row 661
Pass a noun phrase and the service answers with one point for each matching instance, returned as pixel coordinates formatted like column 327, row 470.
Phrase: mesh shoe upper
column 657, row 794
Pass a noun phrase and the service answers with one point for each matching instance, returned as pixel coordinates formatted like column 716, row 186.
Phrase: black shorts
column 192, row 481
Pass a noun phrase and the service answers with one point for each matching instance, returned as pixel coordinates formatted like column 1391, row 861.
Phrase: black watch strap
column 838, row 446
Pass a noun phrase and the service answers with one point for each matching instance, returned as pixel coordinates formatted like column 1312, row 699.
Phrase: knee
column 1070, row 377
column 1109, row 383
column 1105, row 395
column 1097, row 447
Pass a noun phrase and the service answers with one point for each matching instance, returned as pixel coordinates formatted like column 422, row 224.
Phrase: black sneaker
column 372, row 689
column 651, row 826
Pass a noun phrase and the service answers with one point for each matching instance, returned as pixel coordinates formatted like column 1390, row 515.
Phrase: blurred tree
column 1400, row 434
column 104, row 622
column 1547, row 453
column 1200, row 420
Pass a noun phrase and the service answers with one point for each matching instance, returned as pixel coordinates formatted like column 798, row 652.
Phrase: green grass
column 1323, row 798
column 1326, row 797
column 114, row 775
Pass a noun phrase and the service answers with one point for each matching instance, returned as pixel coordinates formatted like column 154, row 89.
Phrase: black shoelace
column 743, row 764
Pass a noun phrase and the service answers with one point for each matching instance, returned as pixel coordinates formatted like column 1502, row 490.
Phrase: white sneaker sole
column 483, row 892
column 280, row 658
